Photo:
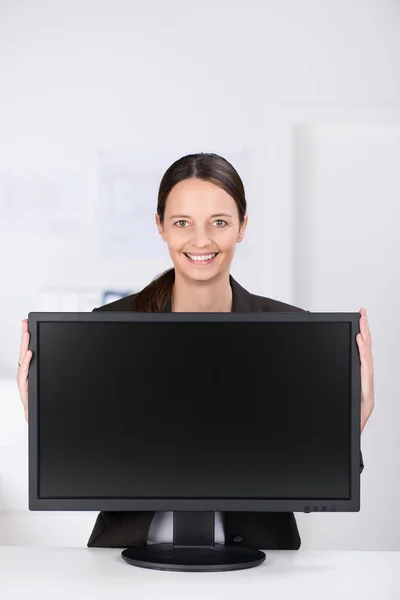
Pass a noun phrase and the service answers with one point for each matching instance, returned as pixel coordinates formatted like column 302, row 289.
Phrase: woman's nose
column 201, row 238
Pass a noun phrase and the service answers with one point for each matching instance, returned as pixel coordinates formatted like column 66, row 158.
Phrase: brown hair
column 206, row 166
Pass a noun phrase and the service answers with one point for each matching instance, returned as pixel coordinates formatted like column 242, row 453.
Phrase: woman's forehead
column 196, row 198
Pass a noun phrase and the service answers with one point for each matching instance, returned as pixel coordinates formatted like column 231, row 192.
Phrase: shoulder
column 245, row 301
column 265, row 304
column 122, row 305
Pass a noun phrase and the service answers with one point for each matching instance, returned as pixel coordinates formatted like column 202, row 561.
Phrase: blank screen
column 194, row 410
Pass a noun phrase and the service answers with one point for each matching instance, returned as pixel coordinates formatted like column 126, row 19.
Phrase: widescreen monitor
column 194, row 413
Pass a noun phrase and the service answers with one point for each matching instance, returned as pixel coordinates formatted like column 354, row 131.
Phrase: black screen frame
column 191, row 504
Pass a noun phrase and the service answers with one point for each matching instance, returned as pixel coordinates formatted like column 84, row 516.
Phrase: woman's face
column 201, row 227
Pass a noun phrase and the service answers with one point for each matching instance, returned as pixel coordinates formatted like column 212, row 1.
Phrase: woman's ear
column 160, row 227
column 242, row 229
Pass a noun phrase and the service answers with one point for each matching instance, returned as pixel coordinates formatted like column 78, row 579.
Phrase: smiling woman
column 201, row 215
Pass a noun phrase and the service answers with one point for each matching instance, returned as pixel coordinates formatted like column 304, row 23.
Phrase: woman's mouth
column 201, row 259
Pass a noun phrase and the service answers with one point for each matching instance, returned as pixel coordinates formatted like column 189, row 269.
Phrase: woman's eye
column 179, row 223
column 221, row 222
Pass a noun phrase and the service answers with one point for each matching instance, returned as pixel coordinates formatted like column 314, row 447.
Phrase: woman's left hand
column 367, row 369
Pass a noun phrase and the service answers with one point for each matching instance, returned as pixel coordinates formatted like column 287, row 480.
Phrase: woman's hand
column 364, row 341
column 25, row 356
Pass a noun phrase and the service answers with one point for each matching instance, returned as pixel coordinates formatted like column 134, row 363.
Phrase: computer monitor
column 194, row 413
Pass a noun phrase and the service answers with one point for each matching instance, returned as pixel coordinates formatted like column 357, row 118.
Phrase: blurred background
column 99, row 97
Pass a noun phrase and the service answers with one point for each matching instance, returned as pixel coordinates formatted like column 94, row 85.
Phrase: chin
column 188, row 274
column 202, row 276
column 202, row 273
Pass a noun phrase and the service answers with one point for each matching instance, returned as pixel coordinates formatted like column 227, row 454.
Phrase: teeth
column 201, row 258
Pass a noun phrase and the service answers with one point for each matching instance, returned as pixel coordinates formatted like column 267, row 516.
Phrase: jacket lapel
column 242, row 299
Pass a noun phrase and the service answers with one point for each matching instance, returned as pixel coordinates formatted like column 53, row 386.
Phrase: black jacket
column 265, row 530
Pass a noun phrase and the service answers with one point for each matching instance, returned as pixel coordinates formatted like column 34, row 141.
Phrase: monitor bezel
column 351, row 504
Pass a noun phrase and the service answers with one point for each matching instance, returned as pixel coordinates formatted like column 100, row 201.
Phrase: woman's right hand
column 25, row 356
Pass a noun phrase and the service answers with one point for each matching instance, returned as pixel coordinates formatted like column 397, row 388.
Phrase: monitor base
column 166, row 557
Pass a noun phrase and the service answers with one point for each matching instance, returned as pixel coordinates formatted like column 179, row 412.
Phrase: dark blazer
column 265, row 530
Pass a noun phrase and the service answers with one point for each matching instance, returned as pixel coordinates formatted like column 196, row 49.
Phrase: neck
column 201, row 296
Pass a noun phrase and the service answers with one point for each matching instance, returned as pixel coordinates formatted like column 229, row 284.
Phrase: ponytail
column 154, row 296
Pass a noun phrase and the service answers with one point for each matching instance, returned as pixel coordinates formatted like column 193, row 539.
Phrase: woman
column 201, row 215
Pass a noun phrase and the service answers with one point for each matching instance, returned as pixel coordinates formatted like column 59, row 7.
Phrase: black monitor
column 194, row 413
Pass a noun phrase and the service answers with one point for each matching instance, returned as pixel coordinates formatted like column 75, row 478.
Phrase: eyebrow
column 211, row 216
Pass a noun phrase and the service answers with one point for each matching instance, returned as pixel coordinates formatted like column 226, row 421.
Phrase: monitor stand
column 193, row 548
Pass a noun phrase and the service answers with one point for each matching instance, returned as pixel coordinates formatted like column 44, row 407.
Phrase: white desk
column 82, row 573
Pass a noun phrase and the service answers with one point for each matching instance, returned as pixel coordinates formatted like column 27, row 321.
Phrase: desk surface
column 101, row 573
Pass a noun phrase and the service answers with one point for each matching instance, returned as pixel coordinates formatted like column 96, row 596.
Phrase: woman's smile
column 201, row 259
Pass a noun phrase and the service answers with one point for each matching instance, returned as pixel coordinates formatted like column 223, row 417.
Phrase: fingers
column 365, row 350
column 364, row 327
column 24, row 341
column 22, row 380
column 366, row 331
column 23, row 367
column 23, row 370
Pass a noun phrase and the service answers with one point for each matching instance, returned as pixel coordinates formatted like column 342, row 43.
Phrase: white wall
column 310, row 89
